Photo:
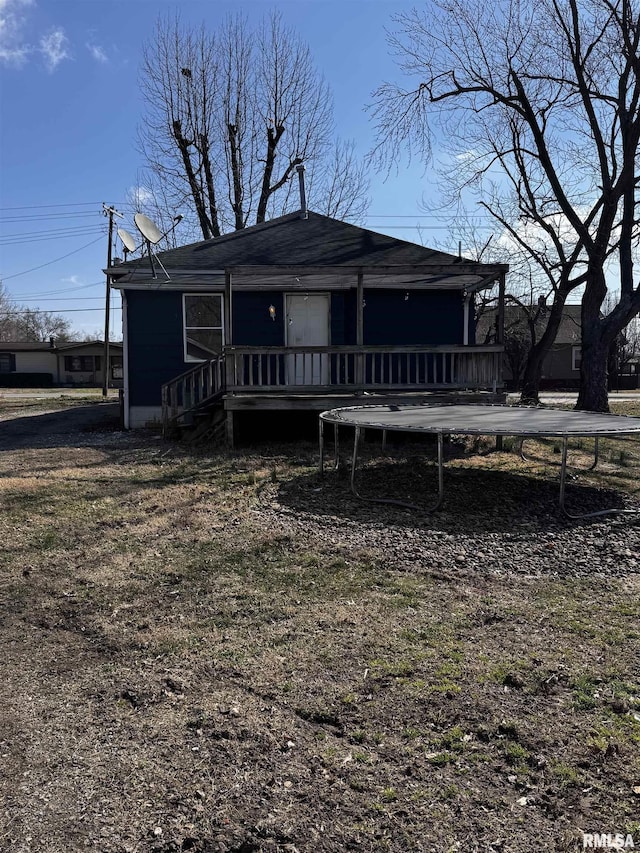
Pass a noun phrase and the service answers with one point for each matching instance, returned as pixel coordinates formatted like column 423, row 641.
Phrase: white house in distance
column 40, row 365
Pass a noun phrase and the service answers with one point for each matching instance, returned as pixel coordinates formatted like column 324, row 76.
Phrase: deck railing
column 329, row 370
column 191, row 389
column 351, row 368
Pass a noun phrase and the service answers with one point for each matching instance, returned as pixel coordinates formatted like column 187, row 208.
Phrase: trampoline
column 467, row 419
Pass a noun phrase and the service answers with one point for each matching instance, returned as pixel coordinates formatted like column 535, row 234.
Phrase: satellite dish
column 148, row 228
column 127, row 240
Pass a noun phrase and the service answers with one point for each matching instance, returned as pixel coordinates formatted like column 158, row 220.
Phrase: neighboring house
column 561, row 366
column 302, row 312
column 38, row 364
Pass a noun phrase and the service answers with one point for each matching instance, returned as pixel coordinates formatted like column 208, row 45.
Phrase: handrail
column 192, row 390
column 347, row 348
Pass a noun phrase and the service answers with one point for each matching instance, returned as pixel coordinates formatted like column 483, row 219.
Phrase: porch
column 321, row 377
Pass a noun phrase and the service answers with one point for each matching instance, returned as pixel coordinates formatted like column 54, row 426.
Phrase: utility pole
column 110, row 212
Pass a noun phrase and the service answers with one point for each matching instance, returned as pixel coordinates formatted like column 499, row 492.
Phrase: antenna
column 304, row 213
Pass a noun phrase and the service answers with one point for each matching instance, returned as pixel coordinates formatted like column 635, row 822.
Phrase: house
column 36, row 364
column 301, row 312
column 561, row 365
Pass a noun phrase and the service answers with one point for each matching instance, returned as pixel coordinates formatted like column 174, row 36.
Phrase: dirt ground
column 213, row 651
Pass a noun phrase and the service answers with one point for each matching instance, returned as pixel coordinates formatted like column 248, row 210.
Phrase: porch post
column 360, row 329
column 500, row 340
column 228, row 327
column 465, row 332
column 500, row 318
column 229, row 429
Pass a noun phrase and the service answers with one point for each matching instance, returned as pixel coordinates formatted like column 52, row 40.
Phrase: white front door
column 307, row 325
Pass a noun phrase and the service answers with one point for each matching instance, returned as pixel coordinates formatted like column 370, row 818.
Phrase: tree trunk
column 273, row 137
column 594, row 377
column 530, row 391
column 236, row 175
column 211, row 191
column 593, row 395
column 196, row 195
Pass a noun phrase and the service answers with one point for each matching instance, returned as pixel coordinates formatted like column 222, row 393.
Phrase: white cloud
column 54, row 48
column 13, row 49
column 72, row 279
column 97, row 52
column 140, row 196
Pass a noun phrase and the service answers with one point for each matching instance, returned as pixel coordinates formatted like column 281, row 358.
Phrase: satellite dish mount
column 152, row 236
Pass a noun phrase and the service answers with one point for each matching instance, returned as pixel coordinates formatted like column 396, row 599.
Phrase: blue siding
column 156, row 355
column 252, row 325
column 427, row 318
column 155, row 327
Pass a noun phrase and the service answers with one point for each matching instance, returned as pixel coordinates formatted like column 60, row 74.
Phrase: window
column 116, row 367
column 5, row 363
column 576, row 358
column 81, row 363
column 203, row 337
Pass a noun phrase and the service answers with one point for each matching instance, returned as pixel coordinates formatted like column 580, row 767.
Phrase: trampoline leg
column 580, row 516
column 428, row 510
column 384, row 440
column 322, row 447
column 596, row 447
column 438, row 503
column 354, row 461
column 522, row 456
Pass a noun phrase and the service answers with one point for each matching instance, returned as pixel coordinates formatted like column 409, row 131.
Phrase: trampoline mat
column 471, row 419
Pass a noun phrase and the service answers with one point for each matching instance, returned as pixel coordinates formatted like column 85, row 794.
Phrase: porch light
column 272, row 312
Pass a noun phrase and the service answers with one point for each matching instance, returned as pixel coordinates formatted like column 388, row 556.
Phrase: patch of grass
column 516, row 754
column 564, row 774
column 452, row 740
column 388, row 795
column 358, row 736
column 440, row 759
column 584, row 692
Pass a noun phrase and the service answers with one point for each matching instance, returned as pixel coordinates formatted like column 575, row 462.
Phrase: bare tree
column 230, row 114
column 538, row 105
column 18, row 323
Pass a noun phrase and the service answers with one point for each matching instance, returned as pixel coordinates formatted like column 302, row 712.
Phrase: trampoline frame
column 334, row 416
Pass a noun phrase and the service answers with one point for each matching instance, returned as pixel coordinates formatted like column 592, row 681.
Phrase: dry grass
column 211, row 651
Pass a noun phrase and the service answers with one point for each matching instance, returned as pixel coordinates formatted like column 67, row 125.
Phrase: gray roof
column 25, row 346
column 46, row 346
column 295, row 241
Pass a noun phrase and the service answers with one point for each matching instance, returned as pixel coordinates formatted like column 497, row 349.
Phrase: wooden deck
column 320, row 378
column 322, row 402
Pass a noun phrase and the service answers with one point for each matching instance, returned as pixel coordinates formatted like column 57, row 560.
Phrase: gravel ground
column 491, row 522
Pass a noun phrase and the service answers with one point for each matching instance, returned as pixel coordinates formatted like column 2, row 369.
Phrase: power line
column 80, row 232
column 69, row 299
column 62, row 311
column 39, row 217
column 54, row 261
column 44, row 293
column 65, row 204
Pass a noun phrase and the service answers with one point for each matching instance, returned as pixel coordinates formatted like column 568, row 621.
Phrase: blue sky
column 70, row 107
